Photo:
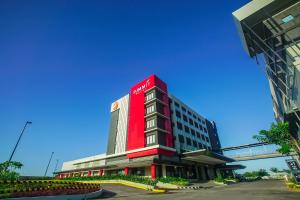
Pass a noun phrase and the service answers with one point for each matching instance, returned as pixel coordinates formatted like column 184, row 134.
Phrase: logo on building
column 142, row 87
column 115, row 106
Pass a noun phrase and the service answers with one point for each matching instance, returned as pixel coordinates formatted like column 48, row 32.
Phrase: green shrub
column 136, row 179
column 174, row 180
column 219, row 178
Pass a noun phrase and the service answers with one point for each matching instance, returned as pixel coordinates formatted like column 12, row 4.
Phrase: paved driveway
column 260, row 190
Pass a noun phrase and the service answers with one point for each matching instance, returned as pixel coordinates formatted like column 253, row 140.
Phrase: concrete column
column 164, row 171
column 197, row 173
column 153, row 171
column 203, row 173
column 126, row 171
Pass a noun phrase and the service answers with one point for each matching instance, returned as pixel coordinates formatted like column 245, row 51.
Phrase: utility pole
column 48, row 164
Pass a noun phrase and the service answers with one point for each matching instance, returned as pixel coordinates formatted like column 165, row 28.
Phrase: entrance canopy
column 205, row 156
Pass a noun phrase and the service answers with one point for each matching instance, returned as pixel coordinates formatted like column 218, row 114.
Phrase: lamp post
column 55, row 167
column 13, row 152
column 48, row 164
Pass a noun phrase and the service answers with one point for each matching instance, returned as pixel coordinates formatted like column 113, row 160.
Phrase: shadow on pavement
column 108, row 194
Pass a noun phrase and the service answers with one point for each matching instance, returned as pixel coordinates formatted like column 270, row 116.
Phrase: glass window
column 196, row 124
column 198, row 134
column 205, row 130
column 191, row 122
column 178, row 114
column 188, row 141
column 184, row 117
column 194, row 143
column 150, row 123
column 189, row 112
column 183, row 109
column 193, row 132
column 181, row 138
column 187, row 129
column 150, row 96
column 176, row 104
column 179, row 125
column 150, row 109
column 150, row 139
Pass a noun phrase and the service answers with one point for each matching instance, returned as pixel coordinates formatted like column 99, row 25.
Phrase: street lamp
column 48, row 164
column 13, row 152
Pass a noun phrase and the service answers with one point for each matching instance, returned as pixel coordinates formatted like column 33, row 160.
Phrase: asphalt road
column 259, row 190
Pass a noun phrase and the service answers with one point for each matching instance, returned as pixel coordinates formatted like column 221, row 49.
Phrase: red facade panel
column 136, row 124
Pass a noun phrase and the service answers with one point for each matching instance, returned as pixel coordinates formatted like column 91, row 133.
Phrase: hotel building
column 152, row 133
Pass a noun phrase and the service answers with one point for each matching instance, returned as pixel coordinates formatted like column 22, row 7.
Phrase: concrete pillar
column 126, row 171
column 197, row 173
column 153, row 171
column 203, row 175
column 164, row 170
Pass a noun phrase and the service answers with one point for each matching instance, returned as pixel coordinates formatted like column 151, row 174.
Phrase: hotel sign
column 294, row 167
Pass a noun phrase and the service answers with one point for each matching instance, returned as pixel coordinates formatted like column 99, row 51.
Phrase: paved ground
column 260, row 190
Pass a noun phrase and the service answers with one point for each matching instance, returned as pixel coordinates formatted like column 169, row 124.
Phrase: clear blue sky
column 63, row 62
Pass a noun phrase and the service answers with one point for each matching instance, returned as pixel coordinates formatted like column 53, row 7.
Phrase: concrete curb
column 63, row 197
column 128, row 183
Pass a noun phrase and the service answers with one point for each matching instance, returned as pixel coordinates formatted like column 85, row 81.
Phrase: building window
column 200, row 146
column 188, row 141
column 184, row 117
column 193, row 132
column 205, row 131
column 198, row 134
column 206, row 138
column 150, row 139
column 150, row 109
column 201, row 128
column 183, row 109
column 194, row 116
column 191, row 122
column 150, row 96
column 202, row 137
column 178, row 114
column 150, row 123
column 179, row 125
column 189, row 112
column 196, row 124
column 194, row 143
column 186, row 129
column 181, row 138
column 176, row 104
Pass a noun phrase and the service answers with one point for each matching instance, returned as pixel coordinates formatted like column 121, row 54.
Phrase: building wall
column 188, row 126
column 138, row 118
column 117, row 139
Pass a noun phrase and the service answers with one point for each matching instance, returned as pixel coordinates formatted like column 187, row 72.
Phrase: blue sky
column 63, row 62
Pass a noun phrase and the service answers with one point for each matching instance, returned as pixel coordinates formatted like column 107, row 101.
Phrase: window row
column 190, row 121
column 180, row 126
column 189, row 113
column 191, row 142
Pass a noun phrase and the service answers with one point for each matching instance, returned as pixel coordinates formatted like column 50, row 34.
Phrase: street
column 259, row 190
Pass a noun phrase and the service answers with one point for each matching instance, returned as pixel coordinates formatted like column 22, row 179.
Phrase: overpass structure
column 252, row 152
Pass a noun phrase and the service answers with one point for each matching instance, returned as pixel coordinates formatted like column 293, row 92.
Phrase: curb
column 130, row 184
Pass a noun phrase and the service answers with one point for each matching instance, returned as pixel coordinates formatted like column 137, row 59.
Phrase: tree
column 8, row 170
column 274, row 169
column 279, row 134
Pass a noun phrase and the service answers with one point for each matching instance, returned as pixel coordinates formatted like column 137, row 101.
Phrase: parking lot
column 260, row 190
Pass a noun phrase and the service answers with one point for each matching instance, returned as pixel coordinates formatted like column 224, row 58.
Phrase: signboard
column 294, row 167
